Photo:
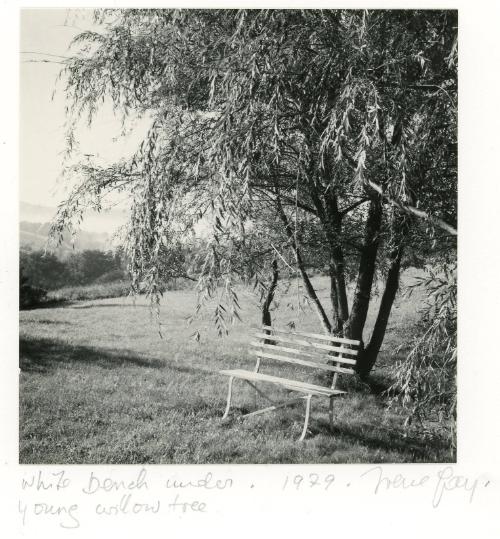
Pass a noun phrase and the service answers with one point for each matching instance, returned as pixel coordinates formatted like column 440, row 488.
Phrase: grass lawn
column 98, row 385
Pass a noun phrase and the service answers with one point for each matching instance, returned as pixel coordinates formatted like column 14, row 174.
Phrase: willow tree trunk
column 338, row 263
column 366, row 272
column 334, row 299
column 367, row 359
column 332, row 222
column 266, row 306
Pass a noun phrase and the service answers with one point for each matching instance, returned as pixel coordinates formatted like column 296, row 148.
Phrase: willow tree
column 337, row 121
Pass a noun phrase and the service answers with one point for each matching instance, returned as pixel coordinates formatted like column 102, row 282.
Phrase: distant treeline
column 50, row 272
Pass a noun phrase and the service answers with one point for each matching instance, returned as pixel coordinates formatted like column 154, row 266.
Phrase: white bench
column 324, row 352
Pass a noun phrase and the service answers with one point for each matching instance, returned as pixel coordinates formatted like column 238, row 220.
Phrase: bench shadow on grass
column 42, row 355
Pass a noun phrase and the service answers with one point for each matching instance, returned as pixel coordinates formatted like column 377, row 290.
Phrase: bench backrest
column 325, row 352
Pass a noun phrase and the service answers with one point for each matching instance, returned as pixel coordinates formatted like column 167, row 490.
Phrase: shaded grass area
column 98, row 385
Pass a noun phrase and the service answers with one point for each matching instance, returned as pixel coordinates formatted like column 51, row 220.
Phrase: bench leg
column 331, row 412
column 306, row 421
column 229, row 394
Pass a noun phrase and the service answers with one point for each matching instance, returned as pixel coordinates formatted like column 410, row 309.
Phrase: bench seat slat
column 313, row 345
column 294, row 385
column 298, row 361
column 330, row 338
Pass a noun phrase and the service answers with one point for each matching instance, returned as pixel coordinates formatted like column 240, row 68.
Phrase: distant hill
column 107, row 221
column 34, row 236
column 34, row 213
column 96, row 232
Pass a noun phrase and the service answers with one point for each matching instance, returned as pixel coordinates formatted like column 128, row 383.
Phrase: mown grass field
column 98, row 385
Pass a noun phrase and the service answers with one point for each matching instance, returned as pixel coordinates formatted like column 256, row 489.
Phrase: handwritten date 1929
column 311, row 480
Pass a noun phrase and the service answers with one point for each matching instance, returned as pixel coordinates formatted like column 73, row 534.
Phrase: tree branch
column 411, row 210
column 354, row 205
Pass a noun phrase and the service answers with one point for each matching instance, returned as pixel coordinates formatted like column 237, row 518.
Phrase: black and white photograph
column 249, row 272
column 238, row 236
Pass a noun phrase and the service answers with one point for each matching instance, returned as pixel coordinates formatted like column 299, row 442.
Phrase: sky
column 47, row 32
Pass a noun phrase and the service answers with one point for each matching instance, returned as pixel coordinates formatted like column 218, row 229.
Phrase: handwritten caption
column 148, row 494
column 134, row 496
